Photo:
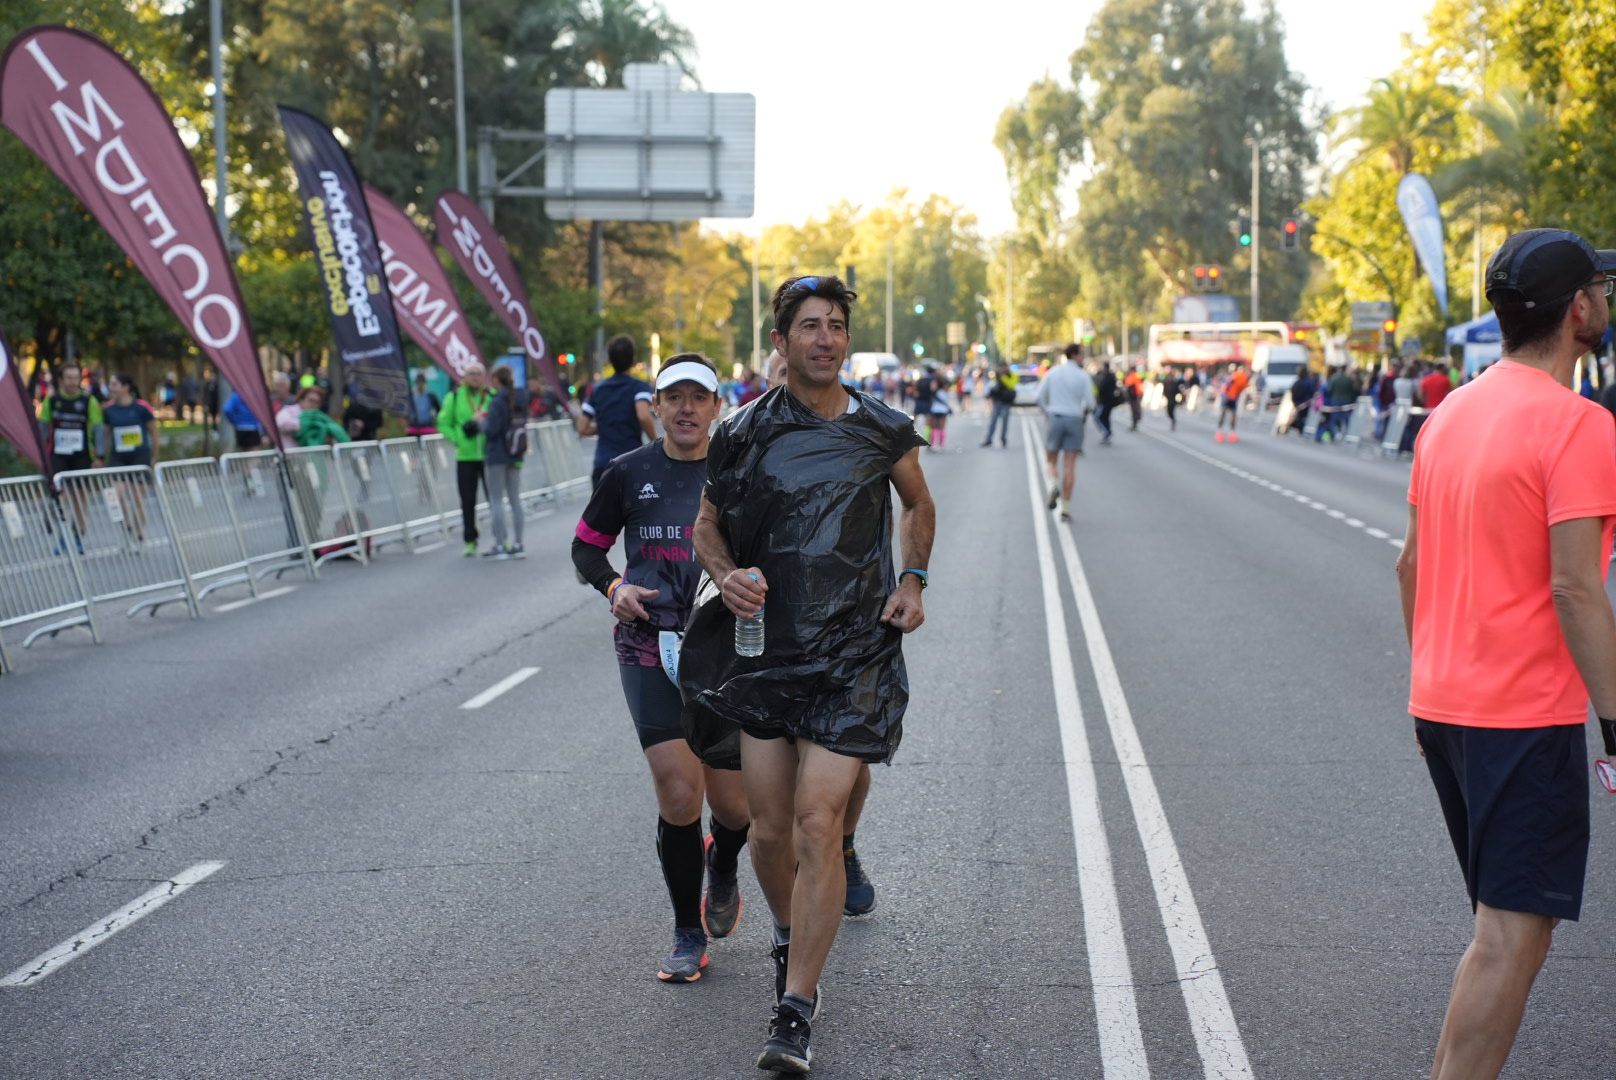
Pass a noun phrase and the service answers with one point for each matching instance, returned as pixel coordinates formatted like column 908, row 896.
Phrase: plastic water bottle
column 749, row 632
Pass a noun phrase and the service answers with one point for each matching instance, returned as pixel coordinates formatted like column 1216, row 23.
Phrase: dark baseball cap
column 1540, row 266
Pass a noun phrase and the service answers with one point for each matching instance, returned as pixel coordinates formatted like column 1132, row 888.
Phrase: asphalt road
column 1207, row 674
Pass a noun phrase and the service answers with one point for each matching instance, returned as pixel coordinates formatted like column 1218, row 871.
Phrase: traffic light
column 920, row 350
column 1289, row 233
column 1388, row 336
column 920, row 306
column 1243, row 230
column 1214, row 279
column 1199, row 274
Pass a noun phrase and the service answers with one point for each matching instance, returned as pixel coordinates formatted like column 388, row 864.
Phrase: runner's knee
column 818, row 826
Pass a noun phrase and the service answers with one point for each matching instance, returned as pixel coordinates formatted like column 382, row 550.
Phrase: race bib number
column 668, row 643
column 128, row 438
column 69, row 441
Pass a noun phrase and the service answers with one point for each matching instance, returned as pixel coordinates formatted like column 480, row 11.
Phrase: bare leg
column 1489, row 993
column 677, row 774
column 1049, row 461
column 726, row 794
column 855, row 801
column 824, row 782
column 769, row 774
column 1069, row 474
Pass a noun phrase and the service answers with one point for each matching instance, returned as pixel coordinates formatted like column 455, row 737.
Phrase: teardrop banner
column 423, row 299
column 17, row 421
column 471, row 239
column 363, row 326
column 1422, row 214
column 101, row 129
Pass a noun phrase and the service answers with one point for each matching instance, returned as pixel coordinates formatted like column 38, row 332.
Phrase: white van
column 1279, row 366
column 861, row 365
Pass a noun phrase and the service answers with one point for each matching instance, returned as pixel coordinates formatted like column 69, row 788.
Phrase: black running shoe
column 787, row 1050
column 721, row 904
column 1054, row 496
column 860, row 892
column 781, row 954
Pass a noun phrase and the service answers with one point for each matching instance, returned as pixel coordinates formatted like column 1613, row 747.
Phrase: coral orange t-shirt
column 1506, row 457
column 1237, row 385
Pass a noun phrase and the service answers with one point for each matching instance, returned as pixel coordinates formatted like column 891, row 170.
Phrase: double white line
column 1122, row 1051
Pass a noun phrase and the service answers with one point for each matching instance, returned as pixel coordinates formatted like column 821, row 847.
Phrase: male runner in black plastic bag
column 796, row 520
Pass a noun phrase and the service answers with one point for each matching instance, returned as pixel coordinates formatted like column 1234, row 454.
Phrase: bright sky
column 941, row 72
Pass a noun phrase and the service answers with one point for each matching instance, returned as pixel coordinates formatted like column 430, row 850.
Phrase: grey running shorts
column 1064, row 433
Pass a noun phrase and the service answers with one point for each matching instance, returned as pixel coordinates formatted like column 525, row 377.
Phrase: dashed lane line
column 236, row 605
column 509, row 682
column 96, row 933
column 1268, row 485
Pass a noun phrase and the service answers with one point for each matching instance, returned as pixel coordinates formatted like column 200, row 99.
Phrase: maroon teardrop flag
column 101, row 129
column 471, row 239
column 423, row 299
column 17, row 422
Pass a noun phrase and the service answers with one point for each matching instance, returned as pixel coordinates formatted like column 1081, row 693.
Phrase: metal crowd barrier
column 536, row 485
column 115, row 522
column 561, row 455
column 40, row 576
column 265, row 509
column 331, row 527
column 369, row 494
column 1394, row 427
column 207, row 537
column 410, row 470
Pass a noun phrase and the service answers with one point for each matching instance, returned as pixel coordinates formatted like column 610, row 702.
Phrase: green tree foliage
column 1166, row 97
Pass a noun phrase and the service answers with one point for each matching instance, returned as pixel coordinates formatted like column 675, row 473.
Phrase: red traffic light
column 1390, row 326
column 1199, row 272
column 1290, row 226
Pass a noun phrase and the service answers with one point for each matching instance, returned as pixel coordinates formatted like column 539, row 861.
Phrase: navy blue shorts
column 653, row 702
column 1516, row 804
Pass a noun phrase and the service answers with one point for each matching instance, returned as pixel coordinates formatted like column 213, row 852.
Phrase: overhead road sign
column 647, row 152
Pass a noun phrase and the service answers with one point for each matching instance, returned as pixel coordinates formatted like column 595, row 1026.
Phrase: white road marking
column 1264, row 482
column 236, row 605
column 1116, row 1012
column 1217, row 1035
column 93, row 935
column 520, row 676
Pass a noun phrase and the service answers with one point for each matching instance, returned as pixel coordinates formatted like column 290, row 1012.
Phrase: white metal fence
column 141, row 538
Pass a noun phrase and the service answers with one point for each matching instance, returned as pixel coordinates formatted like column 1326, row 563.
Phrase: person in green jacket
column 314, row 427
column 461, row 421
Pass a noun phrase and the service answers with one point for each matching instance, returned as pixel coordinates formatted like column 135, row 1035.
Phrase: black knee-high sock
column 679, row 849
column 727, row 844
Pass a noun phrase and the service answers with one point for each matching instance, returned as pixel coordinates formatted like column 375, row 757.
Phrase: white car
column 1027, row 387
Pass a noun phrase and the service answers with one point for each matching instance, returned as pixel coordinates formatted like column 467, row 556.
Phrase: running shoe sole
column 784, row 1062
column 677, row 979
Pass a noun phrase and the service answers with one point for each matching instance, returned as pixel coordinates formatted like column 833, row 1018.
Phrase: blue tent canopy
column 1477, row 331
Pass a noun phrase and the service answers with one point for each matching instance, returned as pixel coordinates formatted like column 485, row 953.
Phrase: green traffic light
column 920, row 309
column 1245, row 239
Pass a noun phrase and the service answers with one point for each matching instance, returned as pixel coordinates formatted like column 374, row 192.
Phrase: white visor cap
column 687, row 371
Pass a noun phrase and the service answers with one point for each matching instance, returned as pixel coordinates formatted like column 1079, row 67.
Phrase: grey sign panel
column 1370, row 315
column 649, row 152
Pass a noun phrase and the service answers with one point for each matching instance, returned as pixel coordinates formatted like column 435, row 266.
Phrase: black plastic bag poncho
column 809, row 502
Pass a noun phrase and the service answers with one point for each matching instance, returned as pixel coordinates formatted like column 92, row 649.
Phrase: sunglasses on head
column 803, row 284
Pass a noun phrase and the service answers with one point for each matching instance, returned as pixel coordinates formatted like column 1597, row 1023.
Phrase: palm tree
column 1397, row 119
column 607, row 35
column 1500, row 177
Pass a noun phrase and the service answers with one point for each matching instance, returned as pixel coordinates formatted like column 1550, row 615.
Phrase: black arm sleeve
column 593, row 563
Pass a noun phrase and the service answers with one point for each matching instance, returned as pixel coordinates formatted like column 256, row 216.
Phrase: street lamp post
column 460, row 102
